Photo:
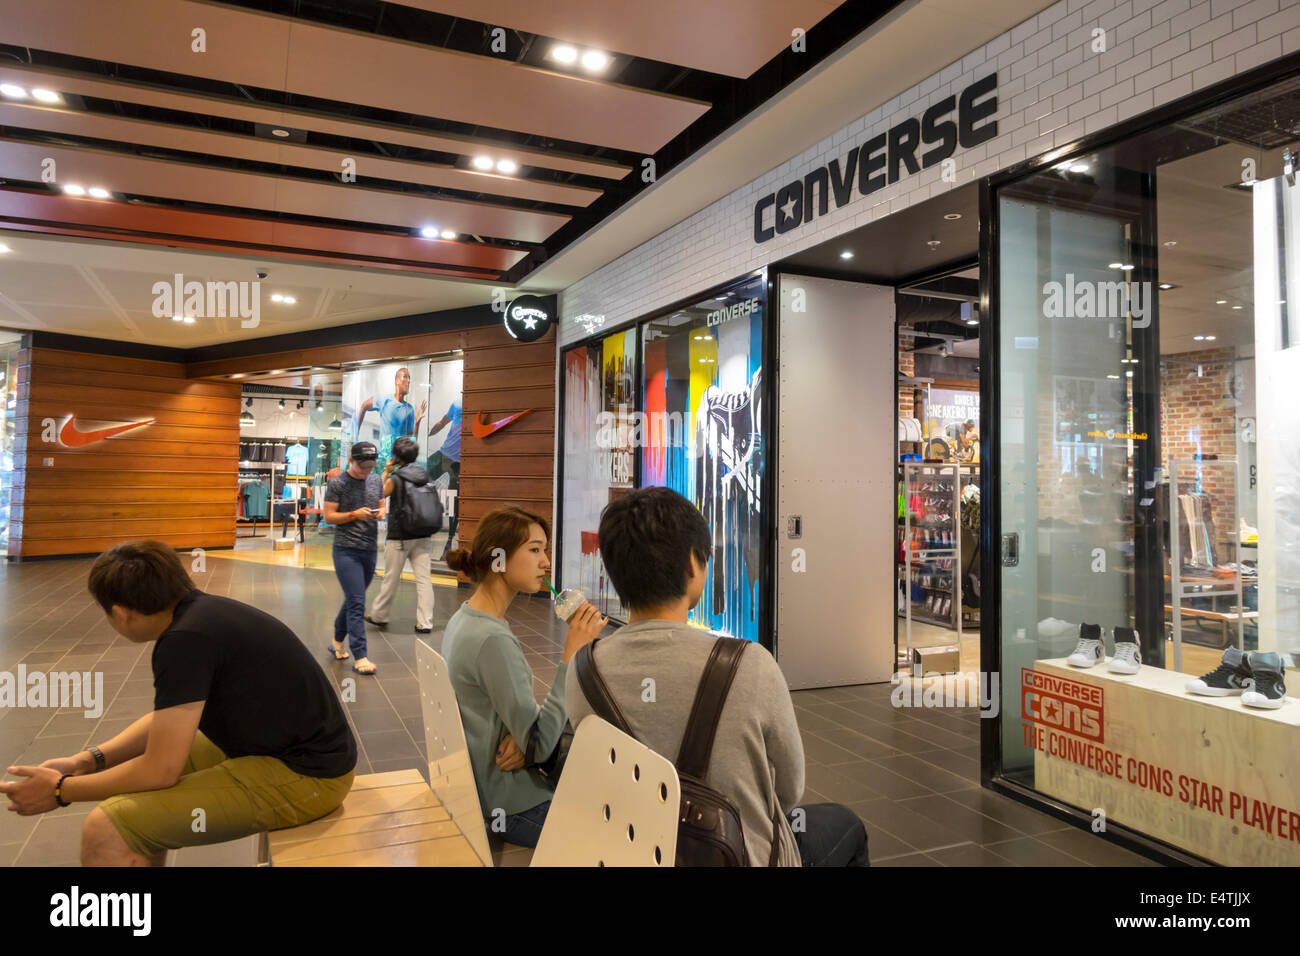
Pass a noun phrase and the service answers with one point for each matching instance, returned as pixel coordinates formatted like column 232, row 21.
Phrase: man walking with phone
column 352, row 504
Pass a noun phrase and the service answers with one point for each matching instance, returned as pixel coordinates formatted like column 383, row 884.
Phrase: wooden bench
column 388, row 819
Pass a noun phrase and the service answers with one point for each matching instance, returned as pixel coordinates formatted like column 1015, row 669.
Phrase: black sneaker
column 382, row 625
column 1270, row 681
column 1232, row 676
column 1090, row 650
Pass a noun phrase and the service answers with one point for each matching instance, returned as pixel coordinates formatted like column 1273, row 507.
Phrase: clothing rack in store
column 252, row 469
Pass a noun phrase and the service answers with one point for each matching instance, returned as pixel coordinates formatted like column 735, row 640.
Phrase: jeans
column 354, row 569
column 525, row 828
column 830, row 835
column 396, row 553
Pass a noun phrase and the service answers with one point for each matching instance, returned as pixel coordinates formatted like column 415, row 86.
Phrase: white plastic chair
column 451, row 776
column 616, row 803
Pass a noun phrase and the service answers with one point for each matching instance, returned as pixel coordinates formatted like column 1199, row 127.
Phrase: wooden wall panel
column 173, row 480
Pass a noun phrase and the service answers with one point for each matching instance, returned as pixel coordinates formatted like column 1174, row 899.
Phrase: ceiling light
column 1211, row 338
column 933, row 243
column 1113, row 376
column 72, row 189
column 1236, row 308
column 952, row 216
column 289, row 300
column 1166, row 285
column 429, row 232
column 972, row 321
column 276, row 297
column 448, row 234
column 320, row 406
column 1220, row 301
column 564, row 53
column 1116, row 265
column 12, row 92
column 4, row 248
column 46, row 96
column 246, row 419
column 178, row 318
column 507, row 166
column 846, row 254
column 1127, row 267
column 1079, row 168
column 99, row 192
column 482, row 162
column 595, row 60
column 1171, row 243
column 282, row 133
column 189, row 320
column 282, row 403
column 336, row 426
column 1129, row 373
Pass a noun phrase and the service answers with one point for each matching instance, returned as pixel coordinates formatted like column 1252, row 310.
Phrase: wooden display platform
column 1205, row 774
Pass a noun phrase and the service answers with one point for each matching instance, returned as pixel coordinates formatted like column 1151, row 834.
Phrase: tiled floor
column 911, row 774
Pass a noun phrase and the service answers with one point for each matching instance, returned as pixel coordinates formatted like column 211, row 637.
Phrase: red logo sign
column 71, row 437
column 1062, row 704
column 481, row 428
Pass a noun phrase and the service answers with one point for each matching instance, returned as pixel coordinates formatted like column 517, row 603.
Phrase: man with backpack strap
column 655, row 547
column 414, row 516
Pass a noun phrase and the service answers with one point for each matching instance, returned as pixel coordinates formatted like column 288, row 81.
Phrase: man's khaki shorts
column 236, row 797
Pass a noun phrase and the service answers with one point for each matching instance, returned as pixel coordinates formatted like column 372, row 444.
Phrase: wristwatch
column 100, row 761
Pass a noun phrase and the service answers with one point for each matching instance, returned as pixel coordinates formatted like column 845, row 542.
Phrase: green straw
column 554, row 592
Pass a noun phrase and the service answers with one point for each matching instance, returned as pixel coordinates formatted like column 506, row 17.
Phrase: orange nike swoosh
column 481, row 429
column 70, row 437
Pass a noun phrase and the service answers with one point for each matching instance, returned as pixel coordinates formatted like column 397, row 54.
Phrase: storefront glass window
column 702, row 374
column 8, row 408
column 1149, row 479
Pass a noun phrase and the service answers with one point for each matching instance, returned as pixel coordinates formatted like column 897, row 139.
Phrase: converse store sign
column 908, row 147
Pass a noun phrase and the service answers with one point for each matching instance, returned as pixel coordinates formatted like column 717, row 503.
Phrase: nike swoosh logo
column 71, row 437
column 480, row 428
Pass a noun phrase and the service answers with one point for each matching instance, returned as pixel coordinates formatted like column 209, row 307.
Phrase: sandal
column 373, row 669
column 333, row 650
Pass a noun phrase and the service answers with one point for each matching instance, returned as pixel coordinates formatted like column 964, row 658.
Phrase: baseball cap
column 364, row 449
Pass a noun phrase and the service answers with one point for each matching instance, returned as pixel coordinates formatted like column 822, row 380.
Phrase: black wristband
column 100, row 760
column 58, row 791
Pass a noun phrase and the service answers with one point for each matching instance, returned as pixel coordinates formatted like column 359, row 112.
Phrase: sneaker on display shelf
column 1128, row 658
column 1269, row 691
column 1232, row 676
column 1090, row 650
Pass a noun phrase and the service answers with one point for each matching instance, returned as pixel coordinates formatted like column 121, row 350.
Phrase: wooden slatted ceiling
column 26, row 76
column 173, row 481
column 283, row 54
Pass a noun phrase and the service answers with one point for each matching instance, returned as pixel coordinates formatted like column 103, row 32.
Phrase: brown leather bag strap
column 696, row 748
column 596, row 690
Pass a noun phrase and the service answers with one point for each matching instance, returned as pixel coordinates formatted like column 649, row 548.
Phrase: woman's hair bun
column 458, row 559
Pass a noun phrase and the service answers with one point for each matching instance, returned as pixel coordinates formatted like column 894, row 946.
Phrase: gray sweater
column 757, row 757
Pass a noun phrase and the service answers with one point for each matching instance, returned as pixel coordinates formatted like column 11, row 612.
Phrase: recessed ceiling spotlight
column 595, row 60
column 189, row 320
column 46, row 96
column 1236, row 308
column 972, row 321
column 282, row 133
column 178, row 318
column 448, row 234
column 482, row 162
column 1171, row 243
column 12, row 91
column 1127, row 267
column 289, row 300
column 1211, row 338
column 1167, row 285
column 507, row 166
column 1116, row 265
column 1113, row 376
column 846, row 254
column 1198, row 338
column 933, row 243
column 1220, row 301
column 99, row 192
column 276, row 297
column 564, row 53
column 429, row 232
column 1129, row 373
column 952, row 216
column 72, row 189
column 4, row 249
column 1079, row 167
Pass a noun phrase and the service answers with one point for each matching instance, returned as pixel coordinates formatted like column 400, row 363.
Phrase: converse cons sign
column 884, row 159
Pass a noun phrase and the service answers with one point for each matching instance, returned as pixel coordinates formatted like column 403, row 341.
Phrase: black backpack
column 708, row 829
column 417, row 508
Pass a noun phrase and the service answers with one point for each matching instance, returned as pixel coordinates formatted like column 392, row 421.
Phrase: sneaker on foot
column 1090, row 650
column 1270, row 681
column 1232, row 676
column 1128, row 657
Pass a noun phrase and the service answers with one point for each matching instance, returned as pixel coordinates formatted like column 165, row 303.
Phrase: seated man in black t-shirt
column 246, row 733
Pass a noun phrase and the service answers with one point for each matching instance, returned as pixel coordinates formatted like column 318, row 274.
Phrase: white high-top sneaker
column 1128, row 657
column 1090, row 650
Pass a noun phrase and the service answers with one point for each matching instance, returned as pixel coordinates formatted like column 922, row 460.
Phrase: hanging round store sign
column 528, row 318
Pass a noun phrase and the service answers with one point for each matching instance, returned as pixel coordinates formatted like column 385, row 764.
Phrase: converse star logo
column 529, row 321
column 788, row 209
column 529, row 317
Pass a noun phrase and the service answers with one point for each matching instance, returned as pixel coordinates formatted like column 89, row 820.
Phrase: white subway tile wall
column 1052, row 89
